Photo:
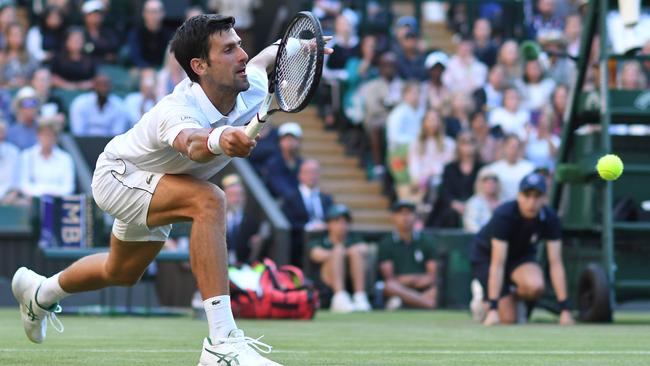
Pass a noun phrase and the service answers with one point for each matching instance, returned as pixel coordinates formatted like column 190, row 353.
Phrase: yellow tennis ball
column 610, row 167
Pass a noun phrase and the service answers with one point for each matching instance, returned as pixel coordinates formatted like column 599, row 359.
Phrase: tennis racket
column 298, row 69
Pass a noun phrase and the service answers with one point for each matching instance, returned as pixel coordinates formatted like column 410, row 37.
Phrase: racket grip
column 254, row 127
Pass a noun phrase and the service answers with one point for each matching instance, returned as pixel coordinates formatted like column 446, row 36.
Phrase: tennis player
column 155, row 174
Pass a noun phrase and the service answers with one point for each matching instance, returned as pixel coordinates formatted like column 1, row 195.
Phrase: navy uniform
column 522, row 235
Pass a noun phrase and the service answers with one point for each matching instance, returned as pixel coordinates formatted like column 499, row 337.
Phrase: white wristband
column 213, row 140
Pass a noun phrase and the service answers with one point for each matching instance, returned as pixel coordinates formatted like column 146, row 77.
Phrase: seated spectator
column 490, row 96
column 8, row 164
column 22, row 133
column 99, row 112
column 631, row 77
column 410, row 60
column 559, row 67
column 464, row 72
column 511, row 118
column 267, row 148
column 103, row 41
column 140, row 102
column 342, row 255
column 16, row 64
column 243, row 12
column 508, row 58
column 536, row 88
column 572, row 33
column 427, row 156
column 545, row 20
column 42, row 84
column 281, row 172
column 168, row 76
column 511, row 168
column 72, row 68
column 7, row 15
column 407, row 263
column 245, row 233
column 346, row 47
column 45, row 39
column 194, row 10
column 479, row 207
column 305, row 207
column 485, row 48
column 457, row 185
column 458, row 119
column 345, row 44
column 402, row 129
column 559, row 101
column 542, row 145
column 147, row 43
column 380, row 95
column 503, row 255
column 437, row 95
column 488, row 145
column 45, row 169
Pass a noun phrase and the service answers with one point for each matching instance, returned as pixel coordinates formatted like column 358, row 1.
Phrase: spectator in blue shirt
column 98, row 113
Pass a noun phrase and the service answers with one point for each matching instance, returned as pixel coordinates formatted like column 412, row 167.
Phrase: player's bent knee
column 208, row 202
column 122, row 277
column 532, row 290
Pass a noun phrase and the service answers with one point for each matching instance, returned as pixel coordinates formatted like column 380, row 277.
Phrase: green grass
column 380, row 338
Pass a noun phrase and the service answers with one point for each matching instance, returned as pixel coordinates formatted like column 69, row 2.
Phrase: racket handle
column 254, row 127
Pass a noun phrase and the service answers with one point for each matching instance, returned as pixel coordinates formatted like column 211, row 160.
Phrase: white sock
column 50, row 292
column 219, row 314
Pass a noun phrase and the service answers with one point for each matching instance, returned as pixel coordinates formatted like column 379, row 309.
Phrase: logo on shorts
column 216, row 302
column 149, row 179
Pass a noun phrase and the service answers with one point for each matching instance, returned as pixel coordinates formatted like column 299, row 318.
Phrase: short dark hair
column 192, row 39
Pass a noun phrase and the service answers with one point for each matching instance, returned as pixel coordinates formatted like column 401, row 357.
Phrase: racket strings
column 296, row 73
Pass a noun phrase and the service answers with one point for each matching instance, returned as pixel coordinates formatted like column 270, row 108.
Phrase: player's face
column 227, row 66
column 530, row 203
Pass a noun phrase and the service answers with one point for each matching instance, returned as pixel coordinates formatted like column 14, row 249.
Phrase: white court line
column 358, row 352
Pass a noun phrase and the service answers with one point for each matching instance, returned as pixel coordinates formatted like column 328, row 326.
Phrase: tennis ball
column 609, row 167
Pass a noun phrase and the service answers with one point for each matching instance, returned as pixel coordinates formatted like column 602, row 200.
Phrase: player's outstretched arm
column 202, row 144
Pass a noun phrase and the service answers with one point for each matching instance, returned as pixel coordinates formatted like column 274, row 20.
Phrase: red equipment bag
column 285, row 295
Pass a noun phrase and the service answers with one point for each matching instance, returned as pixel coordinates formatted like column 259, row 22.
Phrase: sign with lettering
column 65, row 222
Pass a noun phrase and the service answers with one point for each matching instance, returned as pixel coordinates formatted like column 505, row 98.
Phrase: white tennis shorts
column 124, row 192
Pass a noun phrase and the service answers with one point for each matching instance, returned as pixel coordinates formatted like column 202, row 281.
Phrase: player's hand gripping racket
column 298, row 68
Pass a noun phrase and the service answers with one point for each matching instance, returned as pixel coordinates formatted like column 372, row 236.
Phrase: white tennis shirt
column 148, row 145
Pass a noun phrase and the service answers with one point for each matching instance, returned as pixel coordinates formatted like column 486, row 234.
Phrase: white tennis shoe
column 236, row 350
column 25, row 285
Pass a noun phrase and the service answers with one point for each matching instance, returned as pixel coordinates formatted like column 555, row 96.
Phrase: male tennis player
column 155, row 174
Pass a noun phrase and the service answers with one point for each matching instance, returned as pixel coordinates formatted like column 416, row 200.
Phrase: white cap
column 434, row 58
column 92, row 6
column 290, row 128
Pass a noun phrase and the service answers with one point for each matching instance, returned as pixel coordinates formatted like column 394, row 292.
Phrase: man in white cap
column 104, row 40
column 282, row 171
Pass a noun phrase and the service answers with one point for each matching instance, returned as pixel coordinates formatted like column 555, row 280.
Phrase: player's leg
column 529, row 279
column 123, row 265
column 357, row 255
column 183, row 198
